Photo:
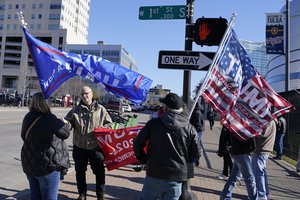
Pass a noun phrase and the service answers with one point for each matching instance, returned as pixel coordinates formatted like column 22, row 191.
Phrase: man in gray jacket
column 264, row 145
column 171, row 143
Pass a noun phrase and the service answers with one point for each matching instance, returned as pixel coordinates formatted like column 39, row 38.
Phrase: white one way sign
column 188, row 60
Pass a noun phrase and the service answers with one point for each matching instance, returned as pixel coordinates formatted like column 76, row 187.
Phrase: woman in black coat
column 44, row 154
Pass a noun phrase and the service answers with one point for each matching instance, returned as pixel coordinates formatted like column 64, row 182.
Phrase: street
column 12, row 176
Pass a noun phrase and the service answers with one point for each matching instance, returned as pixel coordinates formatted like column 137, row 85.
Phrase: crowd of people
column 170, row 145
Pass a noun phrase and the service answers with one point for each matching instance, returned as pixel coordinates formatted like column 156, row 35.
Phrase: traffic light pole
column 186, row 187
column 188, row 46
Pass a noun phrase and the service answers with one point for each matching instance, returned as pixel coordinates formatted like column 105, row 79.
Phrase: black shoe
column 82, row 197
column 101, row 197
column 277, row 158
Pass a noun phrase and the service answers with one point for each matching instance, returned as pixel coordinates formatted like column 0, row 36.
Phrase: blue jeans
column 279, row 144
column 154, row 189
column 259, row 162
column 44, row 187
column 242, row 164
column 199, row 135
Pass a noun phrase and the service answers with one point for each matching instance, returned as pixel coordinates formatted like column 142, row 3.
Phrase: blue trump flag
column 54, row 67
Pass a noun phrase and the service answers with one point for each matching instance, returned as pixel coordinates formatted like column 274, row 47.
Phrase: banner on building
column 274, row 33
column 117, row 145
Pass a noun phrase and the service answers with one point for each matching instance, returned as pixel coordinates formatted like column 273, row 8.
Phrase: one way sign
column 187, row 60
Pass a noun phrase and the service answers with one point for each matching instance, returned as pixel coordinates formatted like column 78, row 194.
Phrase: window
column 17, row 6
column 14, row 39
column 55, row 6
column 9, row 6
column 23, row 6
column 10, row 82
column 53, row 26
column 33, row 16
column 40, row 5
column 40, row 16
column 1, row 17
column 9, row 16
column 33, row 6
column 54, row 16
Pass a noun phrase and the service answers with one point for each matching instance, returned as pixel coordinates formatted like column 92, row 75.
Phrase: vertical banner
column 274, row 33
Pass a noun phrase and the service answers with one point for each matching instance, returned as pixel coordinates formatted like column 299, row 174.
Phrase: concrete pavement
column 126, row 184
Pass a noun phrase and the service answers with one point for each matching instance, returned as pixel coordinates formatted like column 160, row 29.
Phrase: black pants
column 227, row 165
column 82, row 157
column 211, row 123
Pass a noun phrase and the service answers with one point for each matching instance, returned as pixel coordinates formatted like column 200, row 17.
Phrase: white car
column 126, row 107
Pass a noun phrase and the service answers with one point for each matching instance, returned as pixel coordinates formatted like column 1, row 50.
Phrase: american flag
column 239, row 93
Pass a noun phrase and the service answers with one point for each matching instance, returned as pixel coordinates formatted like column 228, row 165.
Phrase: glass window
column 33, row 6
column 1, row 17
column 9, row 6
column 17, row 6
column 40, row 5
column 9, row 16
column 53, row 26
column 23, row 6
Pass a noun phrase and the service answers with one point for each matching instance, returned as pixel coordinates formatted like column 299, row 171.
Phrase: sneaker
column 222, row 177
column 82, row 197
column 101, row 197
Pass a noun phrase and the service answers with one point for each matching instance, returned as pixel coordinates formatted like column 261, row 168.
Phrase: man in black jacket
column 198, row 122
column 171, row 143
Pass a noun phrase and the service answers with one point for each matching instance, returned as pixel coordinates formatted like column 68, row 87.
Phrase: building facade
column 57, row 22
column 257, row 53
column 276, row 74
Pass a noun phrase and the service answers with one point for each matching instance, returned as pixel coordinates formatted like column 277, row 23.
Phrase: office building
column 276, row 74
column 57, row 22
column 257, row 53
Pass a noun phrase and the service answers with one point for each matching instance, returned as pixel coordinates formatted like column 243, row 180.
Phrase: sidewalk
column 126, row 184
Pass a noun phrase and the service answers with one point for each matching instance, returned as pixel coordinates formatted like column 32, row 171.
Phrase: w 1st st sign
column 187, row 60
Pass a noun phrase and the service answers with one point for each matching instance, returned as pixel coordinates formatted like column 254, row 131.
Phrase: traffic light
column 209, row 31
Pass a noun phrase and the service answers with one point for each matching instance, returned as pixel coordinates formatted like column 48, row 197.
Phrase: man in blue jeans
column 241, row 152
column 280, row 133
column 264, row 145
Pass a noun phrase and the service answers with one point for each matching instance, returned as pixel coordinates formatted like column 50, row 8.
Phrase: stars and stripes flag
column 239, row 93
column 55, row 66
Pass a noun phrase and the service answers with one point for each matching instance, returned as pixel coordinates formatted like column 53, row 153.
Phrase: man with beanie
column 264, row 145
column 171, row 143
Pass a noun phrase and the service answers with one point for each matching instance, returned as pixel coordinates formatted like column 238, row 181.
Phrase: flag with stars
column 237, row 91
column 54, row 67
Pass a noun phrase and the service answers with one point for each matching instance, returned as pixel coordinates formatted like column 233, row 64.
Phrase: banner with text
column 117, row 145
column 274, row 33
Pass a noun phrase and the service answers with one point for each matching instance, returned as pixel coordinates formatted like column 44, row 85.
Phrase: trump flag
column 117, row 145
column 239, row 93
column 54, row 67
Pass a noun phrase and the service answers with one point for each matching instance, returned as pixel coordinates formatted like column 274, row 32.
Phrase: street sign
column 162, row 12
column 187, row 60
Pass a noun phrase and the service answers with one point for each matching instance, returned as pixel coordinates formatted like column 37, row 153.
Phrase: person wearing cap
column 172, row 143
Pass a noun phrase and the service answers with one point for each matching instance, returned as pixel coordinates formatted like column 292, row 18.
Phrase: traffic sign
column 187, row 60
column 162, row 12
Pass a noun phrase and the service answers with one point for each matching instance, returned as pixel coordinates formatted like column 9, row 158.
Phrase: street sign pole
column 186, row 187
column 188, row 47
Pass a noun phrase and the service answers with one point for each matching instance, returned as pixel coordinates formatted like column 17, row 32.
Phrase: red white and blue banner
column 117, row 145
column 237, row 91
column 274, row 33
column 54, row 67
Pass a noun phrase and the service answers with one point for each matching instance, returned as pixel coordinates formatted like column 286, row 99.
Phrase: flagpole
column 21, row 18
column 215, row 59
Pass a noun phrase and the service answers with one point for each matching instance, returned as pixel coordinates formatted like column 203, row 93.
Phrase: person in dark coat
column 280, row 133
column 198, row 122
column 172, row 142
column 211, row 115
column 44, row 154
column 224, row 152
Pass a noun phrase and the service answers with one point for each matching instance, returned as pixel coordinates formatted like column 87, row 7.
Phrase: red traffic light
column 209, row 31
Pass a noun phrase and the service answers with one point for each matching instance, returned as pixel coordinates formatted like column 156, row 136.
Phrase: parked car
column 126, row 107
column 114, row 106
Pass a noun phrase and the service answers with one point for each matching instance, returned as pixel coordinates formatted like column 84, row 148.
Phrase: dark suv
column 114, row 106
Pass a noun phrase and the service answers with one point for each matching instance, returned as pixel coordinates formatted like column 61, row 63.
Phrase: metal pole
column 188, row 46
column 287, row 45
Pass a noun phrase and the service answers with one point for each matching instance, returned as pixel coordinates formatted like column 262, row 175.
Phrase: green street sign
column 162, row 12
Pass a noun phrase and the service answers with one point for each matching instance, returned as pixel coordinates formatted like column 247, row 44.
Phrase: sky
column 117, row 22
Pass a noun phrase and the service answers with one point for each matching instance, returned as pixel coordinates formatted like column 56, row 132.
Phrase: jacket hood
column 173, row 120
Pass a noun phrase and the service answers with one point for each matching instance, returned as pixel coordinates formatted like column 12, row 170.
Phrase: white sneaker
column 222, row 177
